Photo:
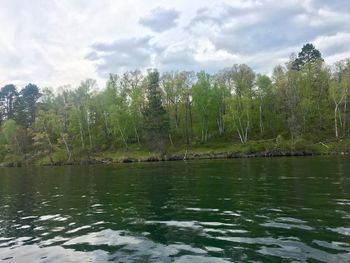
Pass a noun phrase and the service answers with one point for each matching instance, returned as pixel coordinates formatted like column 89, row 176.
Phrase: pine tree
column 156, row 121
column 8, row 95
column 308, row 54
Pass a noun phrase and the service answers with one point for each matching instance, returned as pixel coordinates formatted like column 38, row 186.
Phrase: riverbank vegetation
column 302, row 108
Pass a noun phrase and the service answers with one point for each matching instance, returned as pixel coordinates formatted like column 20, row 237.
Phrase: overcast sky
column 58, row 42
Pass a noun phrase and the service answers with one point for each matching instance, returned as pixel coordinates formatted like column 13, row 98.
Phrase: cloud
column 122, row 54
column 334, row 44
column 160, row 19
column 52, row 43
column 268, row 26
column 270, row 30
column 169, row 60
column 341, row 6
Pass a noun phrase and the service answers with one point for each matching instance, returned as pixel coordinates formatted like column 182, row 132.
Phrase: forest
column 301, row 105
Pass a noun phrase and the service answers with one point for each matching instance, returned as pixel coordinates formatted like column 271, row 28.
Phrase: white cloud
column 58, row 42
column 160, row 19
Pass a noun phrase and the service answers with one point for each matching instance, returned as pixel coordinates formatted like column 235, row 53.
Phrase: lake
column 240, row 210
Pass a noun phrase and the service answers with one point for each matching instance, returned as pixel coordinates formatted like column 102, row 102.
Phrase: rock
column 128, row 160
column 176, row 158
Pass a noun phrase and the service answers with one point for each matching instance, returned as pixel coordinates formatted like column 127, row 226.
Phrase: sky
column 53, row 43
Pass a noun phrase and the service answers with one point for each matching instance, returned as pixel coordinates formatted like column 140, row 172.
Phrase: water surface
column 243, row 210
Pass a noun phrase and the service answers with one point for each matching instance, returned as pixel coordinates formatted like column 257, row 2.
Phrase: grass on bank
column 209, row 150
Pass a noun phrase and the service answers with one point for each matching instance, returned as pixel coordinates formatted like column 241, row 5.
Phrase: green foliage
column 282, row 144
column 308, row 55
column 203, row 103
column 26, row 104
column 300, row 107
column 341, row 146
column 156, row 123
column 301, row 145
column 240, row 106
column 9, row 129
column 8, row 95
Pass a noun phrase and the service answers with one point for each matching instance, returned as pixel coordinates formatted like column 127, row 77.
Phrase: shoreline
column 95, row 160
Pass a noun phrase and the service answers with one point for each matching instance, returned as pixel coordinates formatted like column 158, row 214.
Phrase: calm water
column 244, row 210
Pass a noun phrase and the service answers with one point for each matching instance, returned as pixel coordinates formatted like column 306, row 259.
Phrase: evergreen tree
column 8, row 96
column 26, row 105
column 156, row 121
column 308, row 54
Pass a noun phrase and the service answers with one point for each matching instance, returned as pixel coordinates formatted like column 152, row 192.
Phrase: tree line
column 304, row 99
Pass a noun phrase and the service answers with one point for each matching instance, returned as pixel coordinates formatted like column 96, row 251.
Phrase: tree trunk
column 239, row 135
column 186, row 126
column 67, row 148
column 344, row 121
column 81, row 134
column 335, row 121
column 191, row 122
column 123, row 138
column 260, row 119
column 136, row 133
column 106, row 124
column 170, row 139
column 176, row 117
column 88, row 128
column 246, row 131
column 50, row 144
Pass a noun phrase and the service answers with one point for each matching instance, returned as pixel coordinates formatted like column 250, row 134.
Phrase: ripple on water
column 288, row 223
column 58, row 229
column 213, row 249
column 29, row 217
column 23, row 227
column 105, row 237
column 197, row 209
column 291, row 219
column 184, row 247
column 173, row 223
column 343, row 202
column 77, row 229
column 161, row 217
column 58, row 240
column 191, row 224
column 53, row 254
column 57, row 217
column 142, row 248
column 339, row 246
column 96, row 205
column 286, row 226
column 231, row 213
column 225, row 231
column 288, row 249
column 200, row 259
column 341, row 230
column 216, row 224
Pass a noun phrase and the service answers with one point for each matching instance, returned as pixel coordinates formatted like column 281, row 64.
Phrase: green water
column 243, row 210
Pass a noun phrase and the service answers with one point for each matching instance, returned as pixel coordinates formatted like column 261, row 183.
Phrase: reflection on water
column 255, row 210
